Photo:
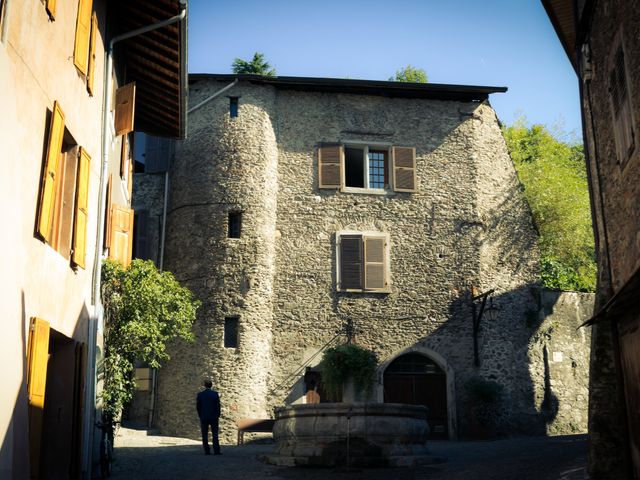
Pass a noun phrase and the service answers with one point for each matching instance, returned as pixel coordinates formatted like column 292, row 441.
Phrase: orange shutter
column 81, row 213
column 350, row 262
column 37, row 359
column 121, row 234
column 51, row 8
column 404, row 169
column 130, row 177
column 125, row 108
column 374, row 263
column 107, row 226
column 330, row 166
column 83, row 34
column 92, row 53
column 48, row 191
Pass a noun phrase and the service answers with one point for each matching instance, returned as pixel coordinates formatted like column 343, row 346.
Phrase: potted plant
column 484, row 397
column 348, row 370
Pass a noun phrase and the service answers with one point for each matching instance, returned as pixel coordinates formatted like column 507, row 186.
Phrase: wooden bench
column 253, row 425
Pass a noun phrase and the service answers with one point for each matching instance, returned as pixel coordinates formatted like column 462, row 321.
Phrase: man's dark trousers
column 208, row 406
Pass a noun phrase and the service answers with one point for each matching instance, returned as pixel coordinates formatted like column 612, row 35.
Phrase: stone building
column 69, row 108
column 298, row 206
column 602, row 42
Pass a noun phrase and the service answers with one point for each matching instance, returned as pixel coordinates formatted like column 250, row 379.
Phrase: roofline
column 437, row 91
column 563, row 36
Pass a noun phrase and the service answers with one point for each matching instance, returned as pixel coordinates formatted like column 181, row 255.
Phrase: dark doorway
column 417, row 380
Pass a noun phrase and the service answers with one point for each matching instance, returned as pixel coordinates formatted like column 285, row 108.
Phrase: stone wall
column 467, row 225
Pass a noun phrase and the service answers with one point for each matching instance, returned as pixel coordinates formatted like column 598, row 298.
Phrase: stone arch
column 440, row 361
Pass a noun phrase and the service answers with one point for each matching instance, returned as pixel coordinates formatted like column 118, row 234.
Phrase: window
column 366, row 168
column 64, row 193
column 621, row 107
column 363, row 262
column 235, row 224
column 233, row 107
column 231, row 332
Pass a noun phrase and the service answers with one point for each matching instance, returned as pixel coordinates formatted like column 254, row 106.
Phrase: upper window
column 366, row 168
column 231, row 332
column 623, row 126
column 233, row 107
column 235, row 224
column 363, row 262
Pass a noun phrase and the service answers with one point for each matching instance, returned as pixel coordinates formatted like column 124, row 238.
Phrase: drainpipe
column 96, row 320
column 218, row 93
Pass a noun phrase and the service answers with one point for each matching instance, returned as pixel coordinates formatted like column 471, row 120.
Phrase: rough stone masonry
column 466, row 225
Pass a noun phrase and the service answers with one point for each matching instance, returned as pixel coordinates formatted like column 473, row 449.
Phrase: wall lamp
column 488, row 311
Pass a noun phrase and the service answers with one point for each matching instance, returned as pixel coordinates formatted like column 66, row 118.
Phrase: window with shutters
column 362, row 260
column 63, row 201
column 366, row 168
column 621, row 112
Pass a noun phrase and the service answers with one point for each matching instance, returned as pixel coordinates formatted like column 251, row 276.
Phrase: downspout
column 96, row 320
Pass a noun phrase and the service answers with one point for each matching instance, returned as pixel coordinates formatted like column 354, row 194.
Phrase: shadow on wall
column 60, row 435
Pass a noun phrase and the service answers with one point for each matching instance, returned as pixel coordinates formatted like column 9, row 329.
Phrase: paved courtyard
column 144, row 456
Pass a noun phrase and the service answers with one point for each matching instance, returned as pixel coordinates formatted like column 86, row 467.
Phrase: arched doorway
column 417, row 380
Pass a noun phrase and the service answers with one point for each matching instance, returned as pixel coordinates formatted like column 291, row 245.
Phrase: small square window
column 231, row 332
column 235, row 224
column 233, row 107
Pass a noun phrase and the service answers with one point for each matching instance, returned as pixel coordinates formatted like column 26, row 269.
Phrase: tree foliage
column 348, row 361
column 555, row 185
column 257, row 66
column 410, row 74
column 143, row 309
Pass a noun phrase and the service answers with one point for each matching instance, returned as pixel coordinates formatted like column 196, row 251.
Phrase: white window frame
column 366, row 146
column 387, row 259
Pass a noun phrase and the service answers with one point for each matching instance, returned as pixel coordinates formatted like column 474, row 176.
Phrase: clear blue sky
column 473, row 42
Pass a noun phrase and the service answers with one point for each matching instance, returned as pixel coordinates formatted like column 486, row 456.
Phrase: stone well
column 362, row 434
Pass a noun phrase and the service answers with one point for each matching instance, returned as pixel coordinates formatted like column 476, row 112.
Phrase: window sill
column 367, row 191
column 353, row 290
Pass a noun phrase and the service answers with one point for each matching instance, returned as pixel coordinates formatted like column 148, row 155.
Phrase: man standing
column 208, row 406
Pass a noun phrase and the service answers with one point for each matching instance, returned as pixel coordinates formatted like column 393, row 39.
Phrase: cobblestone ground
column 144, row 456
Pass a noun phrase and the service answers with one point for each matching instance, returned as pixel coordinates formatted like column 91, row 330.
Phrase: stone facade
column 467, row 224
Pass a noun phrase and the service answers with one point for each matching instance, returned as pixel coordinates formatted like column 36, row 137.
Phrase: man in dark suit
column 208, row 406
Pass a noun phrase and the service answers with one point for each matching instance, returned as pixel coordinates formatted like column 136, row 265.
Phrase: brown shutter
column 83, row 34
column 51, row 8
column 92, row 53
column 65, row 212
column 37, row 358
column 330, row 166
column 130, row 176
column 125, row 108
column 404, row 169
column 82, row 204
column 374, row 263
column 49, row 180
column 350, row 262
column 121, row 234
column 107, row 226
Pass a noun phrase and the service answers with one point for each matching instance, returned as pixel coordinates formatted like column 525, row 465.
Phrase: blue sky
column 473, row 42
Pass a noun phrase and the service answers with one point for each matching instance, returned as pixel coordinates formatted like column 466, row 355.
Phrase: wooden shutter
column 350, row 262
column 51, row 8
column 49, row 180
column 130, row 177
column 64, row 216
column 124, row 156
column 81, row 214
column 107, row 225
column 121, row 234
column 92, row 53
column 83, row 35
column 374, row 263
column 404, row 169
column 330, row 166
column 125, row 108
column 37, row 359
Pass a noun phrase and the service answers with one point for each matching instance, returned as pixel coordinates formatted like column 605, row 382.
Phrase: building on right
column 602, row 42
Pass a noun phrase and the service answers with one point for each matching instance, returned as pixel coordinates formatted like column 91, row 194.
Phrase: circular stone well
column 358, row 434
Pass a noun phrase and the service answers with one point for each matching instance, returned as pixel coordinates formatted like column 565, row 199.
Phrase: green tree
column 410, row 74
column 143, row 309
column 257, row 66
column 555, row 184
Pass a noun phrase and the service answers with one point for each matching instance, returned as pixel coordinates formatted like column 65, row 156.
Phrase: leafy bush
column 483, row 391
column 348, row 361
column 555, row 184
column 143, row 309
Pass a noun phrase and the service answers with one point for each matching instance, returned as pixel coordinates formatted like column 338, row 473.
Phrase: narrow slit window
column 235, row 224
column 233, row 107
column 231, row 332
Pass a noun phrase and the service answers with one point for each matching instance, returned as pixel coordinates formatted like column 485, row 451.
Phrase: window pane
column 235, row 224
column 377, row 169
column 233, row 106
